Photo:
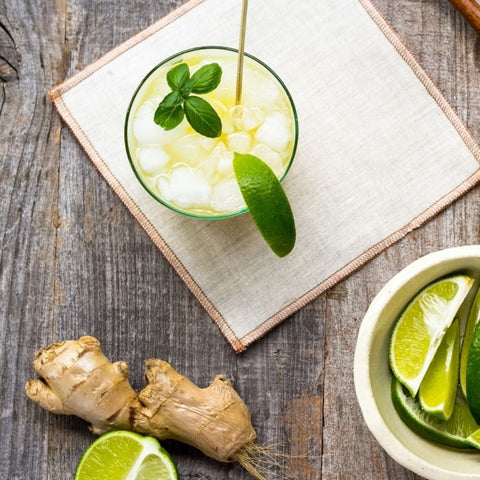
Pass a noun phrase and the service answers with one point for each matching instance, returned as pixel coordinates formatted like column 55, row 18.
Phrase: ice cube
column 219, row 150
column 252, row 118
column 222, row 111
column 270, row 92
column 146, row 131
column 275, row 131
column 186, row 188
column 209, row 165
column 147, row 109
column 171, row 136
column 225, row 165
column 153, row 159
column 229, row 77
column 261, row 92
column 236, row 116
column 227, row 124
column 189, row 149
column 239, row 142
column 245, row 118
column 163, row 187
column 218, row 106
column 270, row 157
column 207, row 143
column 225, row 92
column 226, row 197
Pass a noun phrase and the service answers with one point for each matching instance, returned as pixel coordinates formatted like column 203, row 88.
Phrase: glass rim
column 218, row 216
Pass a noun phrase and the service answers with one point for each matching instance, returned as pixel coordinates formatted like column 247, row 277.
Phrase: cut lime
column 266, row 202
column 455, row 432
column 123, row 455
column 420, row 328
column 474, row 439
column 438, row 389
column 473, row 374
column 473, row 318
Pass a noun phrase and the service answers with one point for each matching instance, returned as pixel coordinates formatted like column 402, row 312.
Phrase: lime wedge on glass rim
column 421, row 327
column 266, row 202
column 438, row 389
column 460, row 431
column 125, row 455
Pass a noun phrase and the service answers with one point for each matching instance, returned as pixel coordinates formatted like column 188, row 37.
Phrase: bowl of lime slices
column 417, row 365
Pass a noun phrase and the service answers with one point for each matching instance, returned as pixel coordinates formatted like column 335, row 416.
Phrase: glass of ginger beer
column 193, row 174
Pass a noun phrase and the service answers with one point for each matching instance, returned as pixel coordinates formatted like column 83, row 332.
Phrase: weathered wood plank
column 29, row 161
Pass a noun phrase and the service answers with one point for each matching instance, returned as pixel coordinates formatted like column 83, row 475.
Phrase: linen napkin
column 380, row 151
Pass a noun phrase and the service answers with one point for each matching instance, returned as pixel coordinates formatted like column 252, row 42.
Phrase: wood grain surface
column 470, row 9
column 74, row 262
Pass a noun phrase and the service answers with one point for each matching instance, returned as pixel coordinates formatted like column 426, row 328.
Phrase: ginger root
column 77, row 379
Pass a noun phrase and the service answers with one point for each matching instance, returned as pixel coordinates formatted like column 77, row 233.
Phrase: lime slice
column 420, row 328
column 123, row 455
column 473, row 318
column 474, row 439
column 455, row 432
column 266, row 201
column 438, row 389
column 472, row 375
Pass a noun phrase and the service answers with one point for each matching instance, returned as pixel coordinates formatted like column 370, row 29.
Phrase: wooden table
column 73, row 261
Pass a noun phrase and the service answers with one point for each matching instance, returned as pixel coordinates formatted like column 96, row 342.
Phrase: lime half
column 266, row 202
column 455, row 432
column 123, row 455
column 421, row 327
column 438, row 389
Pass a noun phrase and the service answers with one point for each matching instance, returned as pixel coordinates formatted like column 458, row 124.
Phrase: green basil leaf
column 202, row 117
column 169, row 117
column 169, row 112
column 172, row 100
column 186, row 88
column 177, row 76
column 206, row 78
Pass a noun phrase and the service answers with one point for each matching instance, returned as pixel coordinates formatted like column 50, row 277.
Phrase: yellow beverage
column 191, row 173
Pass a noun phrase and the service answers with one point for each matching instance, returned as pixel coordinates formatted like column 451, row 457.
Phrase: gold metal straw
column 241, row 51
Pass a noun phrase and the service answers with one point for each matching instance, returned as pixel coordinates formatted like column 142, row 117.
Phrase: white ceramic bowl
column 373, row 377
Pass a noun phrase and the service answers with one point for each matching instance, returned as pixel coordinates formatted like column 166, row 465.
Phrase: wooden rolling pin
column 470, row 9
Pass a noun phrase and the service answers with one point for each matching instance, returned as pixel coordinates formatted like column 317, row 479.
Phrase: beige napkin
column 380, row 151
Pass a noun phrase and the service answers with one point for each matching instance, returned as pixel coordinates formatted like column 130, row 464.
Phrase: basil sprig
column 180, row 102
